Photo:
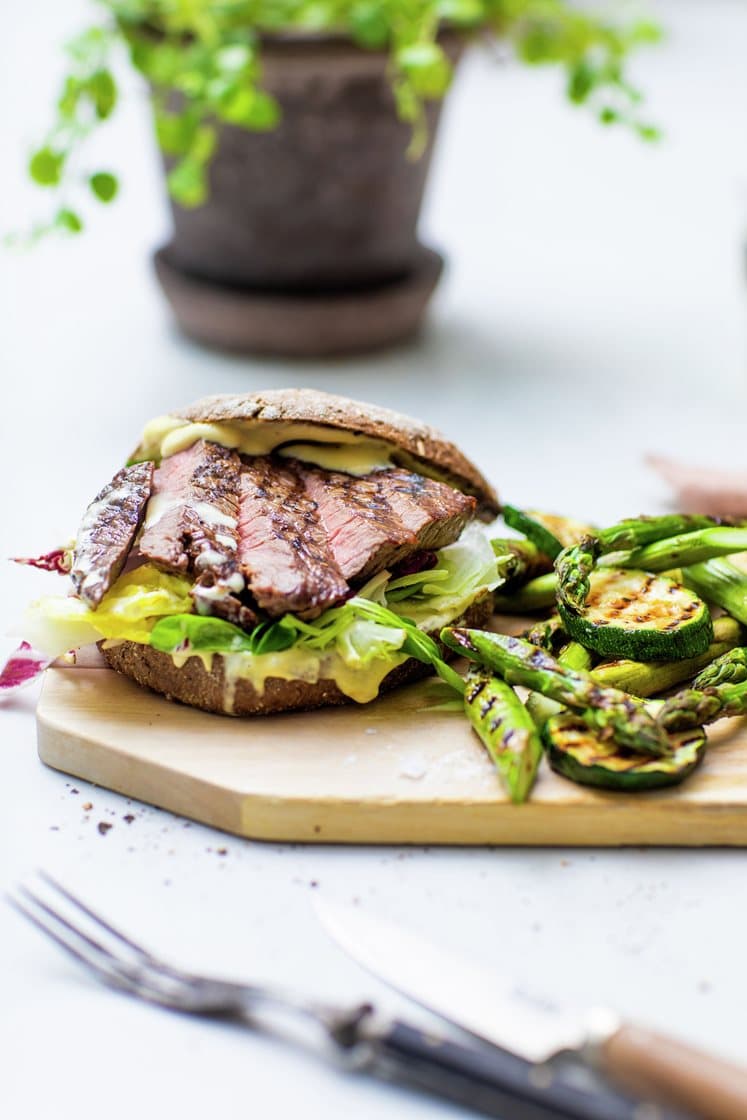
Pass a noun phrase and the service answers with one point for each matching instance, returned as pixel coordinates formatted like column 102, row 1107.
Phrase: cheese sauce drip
column 297, row 664
column 328, row 448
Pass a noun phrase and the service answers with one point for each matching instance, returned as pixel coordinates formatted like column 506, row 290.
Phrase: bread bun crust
column 194, row 685
column 419, row 443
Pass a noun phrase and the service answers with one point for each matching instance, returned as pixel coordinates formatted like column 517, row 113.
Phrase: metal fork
column 486, row 1079
column 124, row 964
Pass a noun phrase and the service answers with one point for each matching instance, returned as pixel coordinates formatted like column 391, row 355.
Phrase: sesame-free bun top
column 415, row 445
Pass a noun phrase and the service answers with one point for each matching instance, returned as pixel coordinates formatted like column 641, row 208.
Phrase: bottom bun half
column 208, row 689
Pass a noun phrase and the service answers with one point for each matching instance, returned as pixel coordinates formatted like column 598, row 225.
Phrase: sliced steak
column 375, row 521
column 433, row 511
column 192, row 519
column 106, row 533
column 283, row 550
column 192, row 524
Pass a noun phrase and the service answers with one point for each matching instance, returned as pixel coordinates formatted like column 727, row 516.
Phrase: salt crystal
column 413, row 767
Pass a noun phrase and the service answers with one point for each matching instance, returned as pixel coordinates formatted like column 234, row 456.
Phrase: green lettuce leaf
column 181, row 632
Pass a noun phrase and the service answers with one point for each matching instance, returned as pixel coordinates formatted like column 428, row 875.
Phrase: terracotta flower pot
column 308, row 243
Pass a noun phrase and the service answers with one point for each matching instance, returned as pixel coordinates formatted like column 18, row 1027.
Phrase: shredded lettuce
column 465, row 568
column 386, row 617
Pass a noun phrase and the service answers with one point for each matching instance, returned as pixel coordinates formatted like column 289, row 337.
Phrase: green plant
column 208, row 53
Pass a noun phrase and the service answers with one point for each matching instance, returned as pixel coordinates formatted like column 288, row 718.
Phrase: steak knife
column 650, row 1065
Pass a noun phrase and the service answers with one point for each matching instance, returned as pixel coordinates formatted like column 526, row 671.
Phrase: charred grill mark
column 655, row 607
column 541, row 660
column 462, row 638
column 474, row 688
column 486, row 706
column 283, row 549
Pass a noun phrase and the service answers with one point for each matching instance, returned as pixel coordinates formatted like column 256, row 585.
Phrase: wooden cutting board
column 395, row 771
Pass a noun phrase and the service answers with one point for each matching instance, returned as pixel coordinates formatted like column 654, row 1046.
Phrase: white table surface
column 594, row 309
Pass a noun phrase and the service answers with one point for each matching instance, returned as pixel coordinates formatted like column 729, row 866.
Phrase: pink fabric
column 716, row 492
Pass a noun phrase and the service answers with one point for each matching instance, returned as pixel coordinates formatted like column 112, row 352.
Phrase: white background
column 593, row 310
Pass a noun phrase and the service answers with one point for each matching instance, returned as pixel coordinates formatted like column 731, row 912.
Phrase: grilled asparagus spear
column 693, row 707
column 506, row 729
column 542, row 708
column 610, row 712
column 635, row 532
column 730, row 668
column 548, row 531
column 573, row 567
column 533, row 596
column 684, row 549
column 720, row 582
column 519, row 561
column 548, row 634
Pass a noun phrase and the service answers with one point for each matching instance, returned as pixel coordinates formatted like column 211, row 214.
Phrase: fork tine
column 132, row 945
column 108, row 975
column 76, row 931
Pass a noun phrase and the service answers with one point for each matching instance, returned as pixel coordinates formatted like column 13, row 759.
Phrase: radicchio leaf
column 59, row 560
column 22, row 667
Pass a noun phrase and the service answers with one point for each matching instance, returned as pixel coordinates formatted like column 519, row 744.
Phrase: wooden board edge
column 117, row 771
column 339, row 821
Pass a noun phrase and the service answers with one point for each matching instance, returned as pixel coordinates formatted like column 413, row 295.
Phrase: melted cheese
column 356, row 459
column 297, row 664
column 330, row 448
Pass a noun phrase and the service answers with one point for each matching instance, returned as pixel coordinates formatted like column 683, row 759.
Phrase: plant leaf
column 68, row 220
column 104, row 185
column 45, row 167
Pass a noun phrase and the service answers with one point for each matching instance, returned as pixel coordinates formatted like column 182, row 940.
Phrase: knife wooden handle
column 488, row 1080
column 675, row 1074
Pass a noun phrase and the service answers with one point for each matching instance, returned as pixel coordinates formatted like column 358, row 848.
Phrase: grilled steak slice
column 433, row 511
column 107, row 531
column 192, row 520
column 283, row 550
column 192, row 524
column 375, row 521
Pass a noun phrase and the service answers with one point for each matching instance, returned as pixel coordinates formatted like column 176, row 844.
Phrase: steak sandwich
column 250, row 555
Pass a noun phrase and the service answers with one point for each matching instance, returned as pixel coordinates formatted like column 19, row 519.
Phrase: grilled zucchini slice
column 640, row 616
column 548, row 531
column 575, row 752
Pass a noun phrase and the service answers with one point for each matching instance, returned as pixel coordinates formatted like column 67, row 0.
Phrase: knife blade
column 487, row 1006
column 506, row 1015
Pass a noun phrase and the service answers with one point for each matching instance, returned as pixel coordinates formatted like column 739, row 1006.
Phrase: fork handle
column 489, row 1081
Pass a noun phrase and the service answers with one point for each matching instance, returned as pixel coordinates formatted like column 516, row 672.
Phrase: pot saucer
column 299, row 324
